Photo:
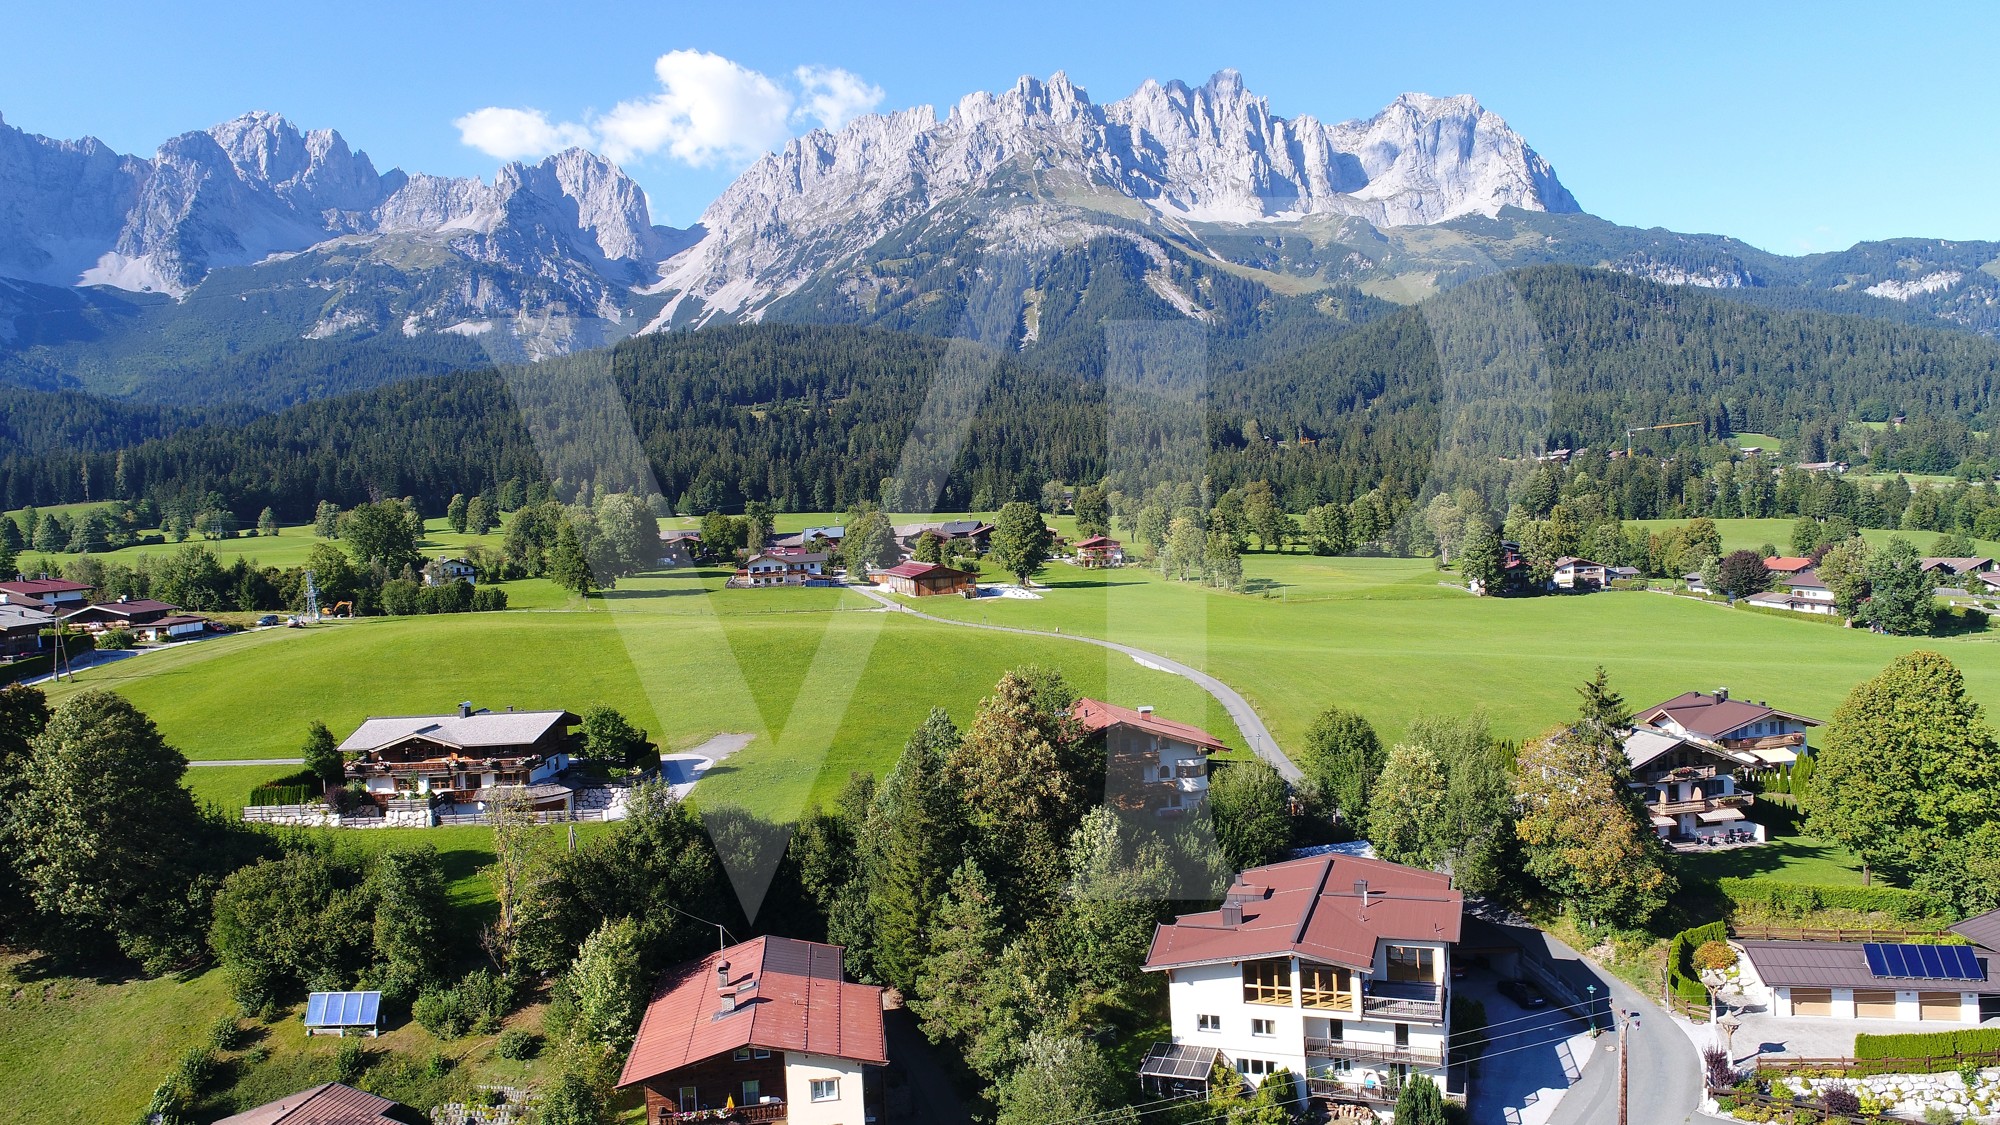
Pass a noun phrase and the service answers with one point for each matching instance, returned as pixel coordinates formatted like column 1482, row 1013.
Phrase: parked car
column 1523, row 993
column 268, row 619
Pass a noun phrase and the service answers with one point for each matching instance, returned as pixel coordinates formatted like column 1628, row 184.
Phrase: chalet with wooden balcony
column 1686, row 757
column 464, row 762
column 1151, row 764
column 767, row 1030
column 1334, row 968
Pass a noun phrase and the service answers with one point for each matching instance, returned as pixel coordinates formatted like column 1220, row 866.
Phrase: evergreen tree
column 322, row 755
column 455, row 512
column 1482, row 561
column 1420, row 1103
column 568, row 566
column 966, row 938
column 1602, row 717
column 51, row 534
column 24, row 713
column 916, row 823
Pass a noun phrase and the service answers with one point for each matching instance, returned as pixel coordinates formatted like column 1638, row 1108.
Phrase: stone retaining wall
column 1909, row 1095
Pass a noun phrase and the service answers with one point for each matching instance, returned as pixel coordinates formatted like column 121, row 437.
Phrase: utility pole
column 1624, row 1073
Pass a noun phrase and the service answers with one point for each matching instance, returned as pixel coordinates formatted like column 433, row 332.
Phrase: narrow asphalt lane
column 1665, row 1071
column 1256, row 735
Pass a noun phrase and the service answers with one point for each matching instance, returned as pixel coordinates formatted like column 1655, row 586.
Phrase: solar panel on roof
column 1922, row 962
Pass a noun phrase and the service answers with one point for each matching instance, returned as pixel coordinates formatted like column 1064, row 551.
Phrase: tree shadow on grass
column 1082, row 583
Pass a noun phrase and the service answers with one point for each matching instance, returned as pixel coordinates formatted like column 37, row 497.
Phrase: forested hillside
column 1446, row 394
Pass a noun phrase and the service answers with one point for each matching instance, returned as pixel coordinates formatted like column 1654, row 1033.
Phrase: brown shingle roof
column 1834, row 964
column 1309, row 907
column 331, row 1104
column 790, row 996
column 1710, row 717
column 1981, row 929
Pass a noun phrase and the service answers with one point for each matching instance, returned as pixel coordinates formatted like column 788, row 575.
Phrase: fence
column 555, row 816
column 1756, row 931
column 1783, row 1109
column 275, row 814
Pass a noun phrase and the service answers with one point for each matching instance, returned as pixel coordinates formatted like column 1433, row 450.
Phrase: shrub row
column 1791, row 614
column 1927, row 1045
column 295, row 788
column 404, row 598
column 1682, row 980
column 1797, row 900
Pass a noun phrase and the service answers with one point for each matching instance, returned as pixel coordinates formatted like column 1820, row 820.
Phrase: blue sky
column 1795, row 127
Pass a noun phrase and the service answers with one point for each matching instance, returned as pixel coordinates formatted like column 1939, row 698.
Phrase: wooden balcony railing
column 1373, row 1053
column 749, row 1114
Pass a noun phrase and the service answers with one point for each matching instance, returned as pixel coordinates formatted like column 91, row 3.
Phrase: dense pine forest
column 1452, row 393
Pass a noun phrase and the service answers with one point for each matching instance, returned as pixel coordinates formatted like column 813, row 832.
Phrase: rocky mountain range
column 125, row 274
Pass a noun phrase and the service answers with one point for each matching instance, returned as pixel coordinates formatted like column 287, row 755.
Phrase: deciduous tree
column 1341, row 759
column 1021, row 541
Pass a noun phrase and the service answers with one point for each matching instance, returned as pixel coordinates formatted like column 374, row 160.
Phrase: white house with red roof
column 1151, row 763
column 768, row 1028
column 55, row 595
column 1334, row 968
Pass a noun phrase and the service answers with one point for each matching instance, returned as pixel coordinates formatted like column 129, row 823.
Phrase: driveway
column 1255, row 734
column 1533, row 1057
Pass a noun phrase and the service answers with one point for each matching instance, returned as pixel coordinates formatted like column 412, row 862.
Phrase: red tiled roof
column 1705, row 715
column 1786, row 564
column 331, row 1104
column 129, row 607
column 790, row 996
column 36, row 587
column 1309, row 907
column 1099, row 541
column 1097, row 715
column 914, row 569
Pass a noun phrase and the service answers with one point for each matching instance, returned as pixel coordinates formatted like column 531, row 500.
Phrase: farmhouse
column 330, row 1104
column 125, row 613
column 1802, row 592
column 52, row 594
column 21, row 629
column 768, row 1028
column 677, row 548
column 1771, row 736
column 779, row 566
column 464, row 762
column 1332, row 967
column 920, row 579
column 1576, row 574
column 1883, row 980
column 976, row 532
column 441, row 571
column 1689, row 787
column 1956, row 567
column 1099, row 550
column 1152, row 764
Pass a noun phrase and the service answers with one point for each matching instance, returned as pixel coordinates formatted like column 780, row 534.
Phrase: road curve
column 1256, row 735
column 1665, row 1071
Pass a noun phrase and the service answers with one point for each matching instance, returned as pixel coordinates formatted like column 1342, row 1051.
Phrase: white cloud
column 833, row 96
column 709, row 110
column 513, row 134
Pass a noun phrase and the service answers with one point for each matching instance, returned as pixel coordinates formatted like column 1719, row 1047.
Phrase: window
column 1265, row 1028
column 1402, row 1035
column 1208, row 1023
column 1412, row 962
column 690, row 1099
column 1256, row 1068
column 1336, row 1030
column 1267, row 982
column 1324, row 986
column 760, row 1053
column 753, row 1091
column 742, row 1054
column 826, row 1089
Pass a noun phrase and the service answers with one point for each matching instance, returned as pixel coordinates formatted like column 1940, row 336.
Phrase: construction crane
column 1630, row 430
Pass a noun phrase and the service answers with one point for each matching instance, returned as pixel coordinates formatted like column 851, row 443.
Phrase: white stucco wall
column 800, row 1071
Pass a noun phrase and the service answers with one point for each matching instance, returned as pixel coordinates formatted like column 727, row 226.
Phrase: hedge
column 1682, row 979
column 1800, row 899
column 292, row 789
column 1794, row 614
column 1927, row 1045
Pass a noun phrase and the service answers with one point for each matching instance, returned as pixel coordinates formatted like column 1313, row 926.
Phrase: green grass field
column 1749, row 535
column 286, row 549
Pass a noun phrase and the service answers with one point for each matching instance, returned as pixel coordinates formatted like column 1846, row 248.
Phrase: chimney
column 1361, row 891
column 1146, row 710
column 1232, row 911
column 1722, row 695
column 465, row 709
column 721, row 974
column 728, row 1004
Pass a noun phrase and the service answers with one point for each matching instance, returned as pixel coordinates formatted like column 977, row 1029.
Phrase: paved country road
column 1665, row 1072
column 1255, row 734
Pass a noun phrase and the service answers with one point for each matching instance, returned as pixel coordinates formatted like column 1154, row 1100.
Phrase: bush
column 292, row 789
column 518, row 1043
column 116, row 640
column 1714, row 955
column 1717, row 1067
column 1796, row 900
column 350, row 1062
column 476, row 1004
column 1840, row 1098
column 222, row 1033
column 488, row 599
column 401, row 597
column 1681, row 979
column 1944, row 1046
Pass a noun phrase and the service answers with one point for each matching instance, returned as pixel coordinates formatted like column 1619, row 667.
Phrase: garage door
column 1938, row 1006
column 1874, row 1004
column 1812, row 1001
